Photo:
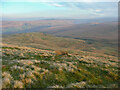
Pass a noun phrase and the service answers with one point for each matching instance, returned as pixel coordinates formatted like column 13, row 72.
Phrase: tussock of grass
column 36, row 68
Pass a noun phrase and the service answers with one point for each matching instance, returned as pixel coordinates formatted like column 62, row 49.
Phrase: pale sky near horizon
column 77, row 10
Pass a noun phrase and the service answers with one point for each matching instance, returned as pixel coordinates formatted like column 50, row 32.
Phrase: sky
column 70, row 10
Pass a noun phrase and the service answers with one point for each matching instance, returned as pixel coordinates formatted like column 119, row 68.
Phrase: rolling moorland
column 94, row 30
column 41, row 60
column 37, row 60
column 101, row 35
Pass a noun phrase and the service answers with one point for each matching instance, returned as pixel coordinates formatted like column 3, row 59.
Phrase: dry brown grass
column 60, row 52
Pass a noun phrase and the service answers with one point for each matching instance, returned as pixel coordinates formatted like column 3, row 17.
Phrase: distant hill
column 79, row 28
column 67, row 28
column 101, row 34
column 91, row 30
column 49, row 42
column 44, row 41
column 10, row 27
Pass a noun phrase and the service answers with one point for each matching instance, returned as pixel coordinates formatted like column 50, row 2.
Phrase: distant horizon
column 45, row 18
column 67, row 10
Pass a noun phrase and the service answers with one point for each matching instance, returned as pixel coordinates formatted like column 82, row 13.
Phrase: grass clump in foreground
column 45, row 69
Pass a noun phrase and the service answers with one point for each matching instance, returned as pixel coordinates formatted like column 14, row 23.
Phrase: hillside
column 92, row 29
column 26, row 67
column 45, row 41
column 49, row 42
column 35, row 60
column 105, row 31
column 10, row 27
column 101, row 35
column 68, row 28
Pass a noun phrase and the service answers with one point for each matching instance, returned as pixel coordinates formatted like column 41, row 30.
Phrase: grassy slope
column 44, row 41
column 102, row 36
column 36, row 68
column 28, row 67
column 26, row 63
